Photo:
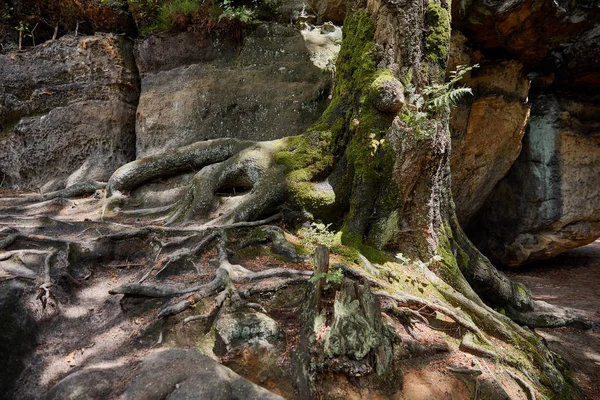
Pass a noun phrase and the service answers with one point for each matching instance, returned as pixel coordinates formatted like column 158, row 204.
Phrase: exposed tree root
column 77, row 190
column 523, row 383
column 226, row 275
column 462, row 320
column 468, row 344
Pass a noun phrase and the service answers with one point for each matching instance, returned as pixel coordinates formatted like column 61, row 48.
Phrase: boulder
column 247, row 328
column 548, row 203
column 87, row 384
column 17, row 336
column 189, row 375
column 67, row 110
column 487, row 130
column 176, row 374
column 270, row 90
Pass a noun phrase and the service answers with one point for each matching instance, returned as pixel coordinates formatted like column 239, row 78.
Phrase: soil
column 571, row 280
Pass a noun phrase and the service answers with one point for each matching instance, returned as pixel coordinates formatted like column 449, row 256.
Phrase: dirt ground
column 571, row 280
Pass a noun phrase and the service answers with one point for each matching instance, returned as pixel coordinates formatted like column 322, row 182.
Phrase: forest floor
column 84, row 325
column 571, row 280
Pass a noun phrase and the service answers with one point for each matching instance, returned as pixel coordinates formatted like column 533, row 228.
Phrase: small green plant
column 24, row 32
column 405, row 261
column 317, row 234
column 375, row 143
column 6, row 15
column 332, row 277
column 243, row 14
column 423, row 105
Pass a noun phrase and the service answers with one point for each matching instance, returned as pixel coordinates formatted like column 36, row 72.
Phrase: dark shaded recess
column 18, row 335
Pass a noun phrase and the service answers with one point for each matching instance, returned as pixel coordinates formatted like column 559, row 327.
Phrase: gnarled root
column 226, row 275
column 253, row 168
column 224, row 165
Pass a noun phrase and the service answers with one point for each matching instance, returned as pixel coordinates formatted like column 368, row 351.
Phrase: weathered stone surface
column 548, row 203
column 486, row 134
column 272, row 90
column 529, row 29
column 189, row 375
column 486, row 128
column 164, row 51
column 329, row 10
column 253, row 328
column 480, row 158
column 578, row 61
column 556, row 41
column 67, row 110
column 87, row 384
column 173, row 373
column 17, row 335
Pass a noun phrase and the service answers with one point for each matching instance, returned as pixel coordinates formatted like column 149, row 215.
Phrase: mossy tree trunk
column 390, row 175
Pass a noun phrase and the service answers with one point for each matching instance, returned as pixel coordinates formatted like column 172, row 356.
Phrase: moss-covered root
column 194, row 156
column 252, row 170
column 490, row 284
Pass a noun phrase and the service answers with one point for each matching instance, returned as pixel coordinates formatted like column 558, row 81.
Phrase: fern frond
column 450, row 97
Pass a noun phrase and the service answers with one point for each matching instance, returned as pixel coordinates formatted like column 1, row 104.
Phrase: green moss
column 437, row 41
column 354, row 240
column 462, row 259
column 384, row 229
column 380, row 77
column 450, row 265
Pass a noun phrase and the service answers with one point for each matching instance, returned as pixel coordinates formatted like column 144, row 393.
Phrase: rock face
column 548, row 203
column 17, row 336
column 486, row 134
column 329, row 10
column 67, row 111
column 529, row 30
column 270, row 90
column 240, row 328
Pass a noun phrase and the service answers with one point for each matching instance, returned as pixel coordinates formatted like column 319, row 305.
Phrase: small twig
column 125, row 265
column 33, row 30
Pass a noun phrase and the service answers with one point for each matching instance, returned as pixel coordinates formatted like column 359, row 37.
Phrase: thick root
column 489, row 283
column 194, row 156
column 251, row 169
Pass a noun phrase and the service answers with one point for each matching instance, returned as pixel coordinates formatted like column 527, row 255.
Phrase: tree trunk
column 388, row 167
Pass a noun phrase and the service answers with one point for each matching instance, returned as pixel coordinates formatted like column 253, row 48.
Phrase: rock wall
column 548, row 203
column 67, row 111
column 487, row 129
column 266, row 88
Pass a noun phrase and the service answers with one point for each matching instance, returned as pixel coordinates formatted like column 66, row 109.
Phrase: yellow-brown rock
column 486, row 134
